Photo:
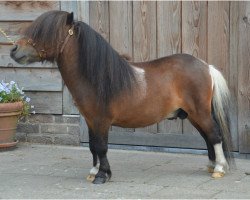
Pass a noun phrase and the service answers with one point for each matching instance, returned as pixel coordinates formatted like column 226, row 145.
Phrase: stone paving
column 59, row 172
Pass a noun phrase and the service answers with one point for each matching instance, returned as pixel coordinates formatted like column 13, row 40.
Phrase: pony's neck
column 77, row 84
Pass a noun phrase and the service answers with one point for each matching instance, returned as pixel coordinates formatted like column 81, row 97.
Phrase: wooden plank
column 46, row 102
column 99, row 17
column 7, row 61
column 121, row 26
column 13, row 30
column 33, row 79
column 79, row 8
column 144, row 38
column 120, row 32
column 169, row 42
column 218, row 35
column 70, row 6
column 233, row 73
column 244, row 77
column 194, row 28
column 234, row 39
column 144, row 30
column 194, row 39
column 83, row 11
column 168, row 28
column 25, row 10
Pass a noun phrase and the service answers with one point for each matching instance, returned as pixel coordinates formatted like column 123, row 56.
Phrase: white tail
column 222, row 106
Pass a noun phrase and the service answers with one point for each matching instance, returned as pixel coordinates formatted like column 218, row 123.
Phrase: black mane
column 109, row 73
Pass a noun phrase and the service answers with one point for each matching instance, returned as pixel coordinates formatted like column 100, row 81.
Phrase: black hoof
column 99, row 180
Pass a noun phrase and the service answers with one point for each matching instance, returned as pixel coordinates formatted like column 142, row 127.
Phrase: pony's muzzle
column 13, row 49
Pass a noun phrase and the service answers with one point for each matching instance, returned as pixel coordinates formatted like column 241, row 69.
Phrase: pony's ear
column 70, row 18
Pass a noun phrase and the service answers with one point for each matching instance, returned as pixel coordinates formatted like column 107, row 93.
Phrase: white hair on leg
column 221, row 165
column 93, row 171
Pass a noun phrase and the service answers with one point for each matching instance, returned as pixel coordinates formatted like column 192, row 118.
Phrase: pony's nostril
column 14, row 48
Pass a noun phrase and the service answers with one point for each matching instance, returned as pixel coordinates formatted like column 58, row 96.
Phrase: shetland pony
column 109, row 90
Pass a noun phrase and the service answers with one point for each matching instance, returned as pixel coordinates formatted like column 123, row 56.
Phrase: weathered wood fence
column 217, row 32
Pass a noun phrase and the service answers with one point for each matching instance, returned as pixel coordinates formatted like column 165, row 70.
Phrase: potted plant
column 13, row 105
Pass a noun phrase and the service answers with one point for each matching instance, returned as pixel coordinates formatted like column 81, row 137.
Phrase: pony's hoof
column 99, row 180
column 218, row 174
column 90, row 177
column 210, row 169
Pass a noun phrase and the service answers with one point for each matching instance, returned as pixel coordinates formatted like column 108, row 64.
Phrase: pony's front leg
column 99, row 147
column 95, row 168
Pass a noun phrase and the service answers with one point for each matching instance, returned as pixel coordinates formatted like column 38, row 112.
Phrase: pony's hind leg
column 210, row 149
column 211, row 154
column 211, row 131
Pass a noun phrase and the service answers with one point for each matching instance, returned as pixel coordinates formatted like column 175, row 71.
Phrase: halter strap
column 70, row 33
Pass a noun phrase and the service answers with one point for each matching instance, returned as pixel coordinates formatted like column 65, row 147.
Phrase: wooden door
column 212, row 31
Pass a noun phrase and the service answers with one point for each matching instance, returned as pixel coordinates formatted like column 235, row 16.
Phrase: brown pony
column 109, row 90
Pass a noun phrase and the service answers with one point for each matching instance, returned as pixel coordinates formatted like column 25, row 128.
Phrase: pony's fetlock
column 221, row 167
column 220, row 170
column 92, row 173
column 210, row 166
column 210, row 169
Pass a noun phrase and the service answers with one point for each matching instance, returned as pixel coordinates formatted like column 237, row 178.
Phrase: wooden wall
column 217, row 32
column 42, row 82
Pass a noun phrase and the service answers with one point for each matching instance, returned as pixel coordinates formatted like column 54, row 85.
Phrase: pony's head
column 44, row 39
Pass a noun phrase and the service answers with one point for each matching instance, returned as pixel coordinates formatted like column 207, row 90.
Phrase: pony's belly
column 137, row 120
column 137, row 124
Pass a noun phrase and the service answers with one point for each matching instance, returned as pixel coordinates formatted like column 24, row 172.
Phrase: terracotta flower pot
column 9, row 114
